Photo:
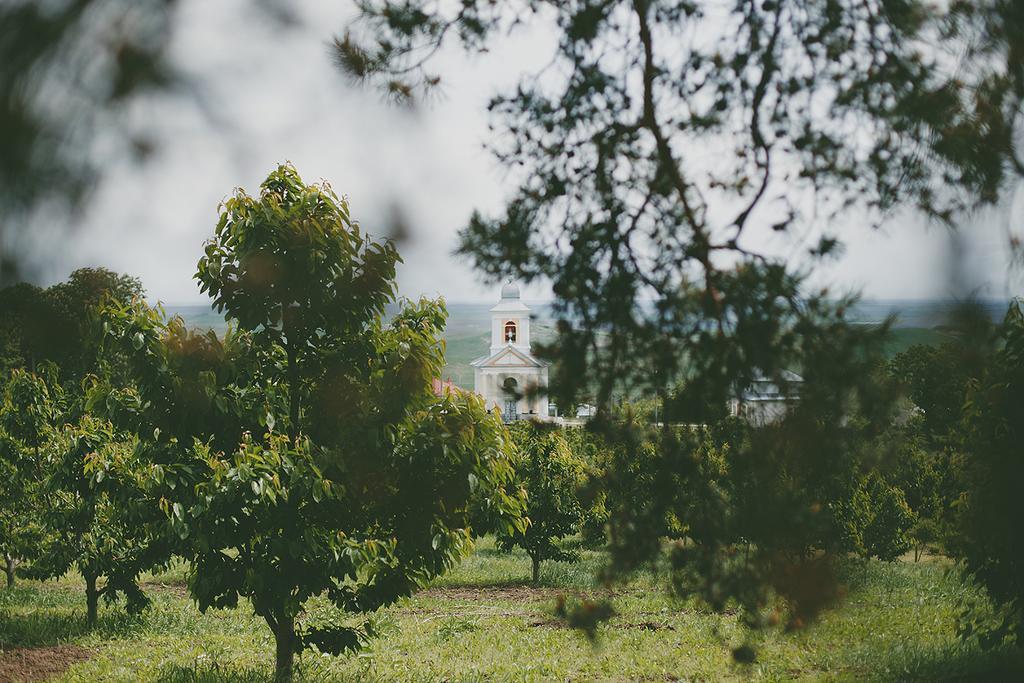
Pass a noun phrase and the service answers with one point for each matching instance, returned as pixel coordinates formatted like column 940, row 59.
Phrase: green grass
column 484, row 622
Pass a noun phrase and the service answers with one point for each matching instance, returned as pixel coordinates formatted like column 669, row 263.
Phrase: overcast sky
column 266, row 92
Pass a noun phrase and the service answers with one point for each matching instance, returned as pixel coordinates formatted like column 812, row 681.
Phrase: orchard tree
column 876, row 520
column 81, row 503
column 96, row 516
column 927, row 481
column 935, row 378
column 31, row 409
column 16, row 506
column 57, row 324
column 552, row 475
column 294, row 270
column 76, row 301
column 307, row 451
column 595, row 495
column 30, row 330
column 29, row 412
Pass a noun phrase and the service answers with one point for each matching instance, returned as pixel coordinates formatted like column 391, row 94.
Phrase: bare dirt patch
column 39, row 663
column 514, row 593
column 492, row 593
column 173, row 588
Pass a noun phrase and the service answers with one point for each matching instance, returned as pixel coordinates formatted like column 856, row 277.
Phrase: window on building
column 510, row 332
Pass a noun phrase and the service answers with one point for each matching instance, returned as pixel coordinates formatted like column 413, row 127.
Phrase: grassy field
column 484, row 622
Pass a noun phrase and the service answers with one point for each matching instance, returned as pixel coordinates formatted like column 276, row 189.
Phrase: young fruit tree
column 876, row 520
column 97, row 519
column 16, row 539
column 552, row 476
column 310, row 455
column 29, row 412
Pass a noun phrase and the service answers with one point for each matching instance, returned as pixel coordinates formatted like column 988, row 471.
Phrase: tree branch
column 760, row 90
column 650, row 121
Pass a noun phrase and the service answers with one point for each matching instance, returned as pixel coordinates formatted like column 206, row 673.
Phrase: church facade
column 509, row 377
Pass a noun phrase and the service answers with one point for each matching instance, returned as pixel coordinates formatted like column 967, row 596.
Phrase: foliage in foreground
column 991, row 534
column 661, row 144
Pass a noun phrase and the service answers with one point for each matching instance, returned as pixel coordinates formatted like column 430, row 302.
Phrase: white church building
column 509, row 376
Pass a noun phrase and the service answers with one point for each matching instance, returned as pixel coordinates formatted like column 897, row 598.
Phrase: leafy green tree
column 31, row 409
column 935, row 378
column 76, row 300
column 924, row 478
column 78, row 498
column 29, row 412
column 52, row 332
column 875, row 521
column 291, row 264
column 57, row 324
column 360, row 484
column 15, row 512
column 887, row 534
column 30, row 329
column 97, row 518
column 552, row 475
column 18, row 500
column 594, row 495
column 622, row 483
column 989, row 526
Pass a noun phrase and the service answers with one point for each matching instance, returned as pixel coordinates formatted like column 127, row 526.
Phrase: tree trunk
column 9, row 569
column 536, row 569
column 284, row 638
column 92, row 600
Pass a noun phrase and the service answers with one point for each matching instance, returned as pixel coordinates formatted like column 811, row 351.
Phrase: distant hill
column 467, row 335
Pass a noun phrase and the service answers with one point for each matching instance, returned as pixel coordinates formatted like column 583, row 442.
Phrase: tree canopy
column 305, row 453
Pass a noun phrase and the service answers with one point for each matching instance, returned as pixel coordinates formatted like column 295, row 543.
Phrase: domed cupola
column 509, row 291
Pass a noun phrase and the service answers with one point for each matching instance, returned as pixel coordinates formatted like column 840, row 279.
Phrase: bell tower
column 510, row 321
column 509, row 378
